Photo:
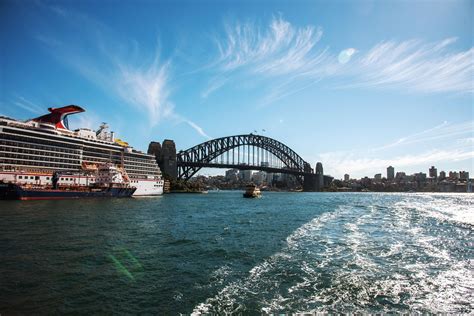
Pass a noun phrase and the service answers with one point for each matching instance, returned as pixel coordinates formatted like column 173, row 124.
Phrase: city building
column 433, row 172
column 259, row 177
column 463, row 175
column 378, row 177
column 232, row 175
column 400, row 175
column 453, row 175
column 245, row 175
column 346, row 177
column 442, row 175
column 390, row 173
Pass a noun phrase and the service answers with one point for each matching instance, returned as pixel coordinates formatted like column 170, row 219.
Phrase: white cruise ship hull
column 147, row 187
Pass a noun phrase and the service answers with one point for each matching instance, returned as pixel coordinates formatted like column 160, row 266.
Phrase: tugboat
column 252, row 191
column 110, row 182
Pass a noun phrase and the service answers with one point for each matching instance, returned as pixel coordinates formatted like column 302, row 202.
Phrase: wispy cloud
column 279, row 49
column 443, row 130
column 28, row 105
column 146, row 88
column 293, row 55
column 137, row 78
column 415, row 66
column 339, row 163
column 198, row 129
column 359, row 163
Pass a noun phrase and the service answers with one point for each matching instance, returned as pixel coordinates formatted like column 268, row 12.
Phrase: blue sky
column 358, row 85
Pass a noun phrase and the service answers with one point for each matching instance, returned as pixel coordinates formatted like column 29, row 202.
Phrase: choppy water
column 285, row 252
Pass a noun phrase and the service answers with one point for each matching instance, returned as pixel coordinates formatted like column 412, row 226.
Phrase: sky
column 357, row 85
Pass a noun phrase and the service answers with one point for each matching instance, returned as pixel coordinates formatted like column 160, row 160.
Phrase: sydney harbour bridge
column 242, row 152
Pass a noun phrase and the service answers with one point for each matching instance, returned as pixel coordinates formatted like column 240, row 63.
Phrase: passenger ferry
column 31, row 151
column 252, row 191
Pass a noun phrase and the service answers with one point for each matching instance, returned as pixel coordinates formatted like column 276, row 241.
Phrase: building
column 442, row 175
column 245, row 175
column 390, row 173
column 378, row 177
column 346, row 177
column 453, row 175
column 400, row 175
column 420, row 177
column 232, row 175
column 463, row 175
column 433, row 172
column 259, row 177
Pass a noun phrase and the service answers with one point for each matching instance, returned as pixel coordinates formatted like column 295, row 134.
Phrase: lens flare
column 345, row 55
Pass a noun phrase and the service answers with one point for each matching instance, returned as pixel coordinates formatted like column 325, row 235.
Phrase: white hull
column 147, row 187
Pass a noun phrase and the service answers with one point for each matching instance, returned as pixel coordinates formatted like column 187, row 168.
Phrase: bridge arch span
column 193, row 159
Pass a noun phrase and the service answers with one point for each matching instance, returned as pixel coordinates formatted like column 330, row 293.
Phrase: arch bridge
column 248, row 152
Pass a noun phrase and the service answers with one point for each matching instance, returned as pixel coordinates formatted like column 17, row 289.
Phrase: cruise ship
column 31, row 151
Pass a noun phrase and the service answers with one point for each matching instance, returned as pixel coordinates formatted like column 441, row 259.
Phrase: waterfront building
column 463, row 175
column 442, row 175
column 400, row 175
column 433, row 172
column 390, row 173
column 453, row 175
column 269, row 178
column 259, row 177
column 245, row 175
column 232, row 175
column 346, row 177
column 378, row 177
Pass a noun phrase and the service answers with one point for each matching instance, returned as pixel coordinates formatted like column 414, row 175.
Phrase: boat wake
column 362, row 258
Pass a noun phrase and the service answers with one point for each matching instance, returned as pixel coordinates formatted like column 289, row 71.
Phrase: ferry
column 110, row 182
column 252, row 191
column 31, row 151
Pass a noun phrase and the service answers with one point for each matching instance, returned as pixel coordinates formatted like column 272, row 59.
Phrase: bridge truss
column 242, row 152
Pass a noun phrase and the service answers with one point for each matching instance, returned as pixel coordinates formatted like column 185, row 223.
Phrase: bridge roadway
column 246, row 167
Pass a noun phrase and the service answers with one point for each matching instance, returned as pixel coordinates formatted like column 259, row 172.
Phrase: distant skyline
column 357, row 85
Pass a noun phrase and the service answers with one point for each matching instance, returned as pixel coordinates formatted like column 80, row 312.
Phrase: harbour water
column 218, row 252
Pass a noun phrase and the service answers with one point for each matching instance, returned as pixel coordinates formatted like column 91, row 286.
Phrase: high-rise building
column 453, row 175
column 232, row 174
column 245, row 175
column 400, row 175
column 346, row 177
column 463, row 175
column 390, row 173
column 433, row 172
column 442, row 175
column 378, row 177
column 259, row 177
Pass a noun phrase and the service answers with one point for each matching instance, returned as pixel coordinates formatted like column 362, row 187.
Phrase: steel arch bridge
column 244, row 152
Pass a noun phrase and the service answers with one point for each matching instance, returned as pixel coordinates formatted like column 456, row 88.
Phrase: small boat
column 252, row 191
column 110, row 183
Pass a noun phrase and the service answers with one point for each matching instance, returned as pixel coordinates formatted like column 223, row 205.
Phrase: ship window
column 20, row 177
column 31, row 177
column 37, row 178
column 47, row 178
